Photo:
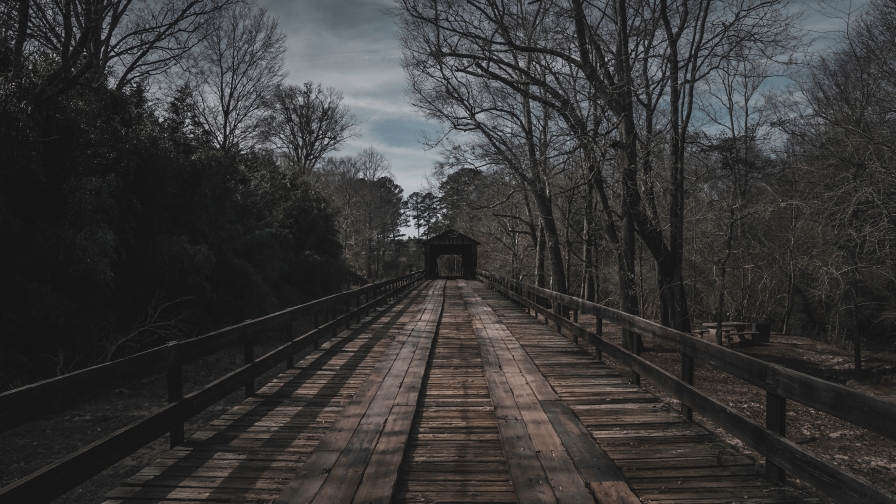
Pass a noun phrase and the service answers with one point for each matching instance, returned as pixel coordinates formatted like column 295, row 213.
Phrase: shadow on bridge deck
column 494, row 407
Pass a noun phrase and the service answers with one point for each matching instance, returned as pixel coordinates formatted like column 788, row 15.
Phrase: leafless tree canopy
column 308, row 122
column 234, row 74
column 620, row 77
column 659, row 143
column 89, row 40
column 368, row 206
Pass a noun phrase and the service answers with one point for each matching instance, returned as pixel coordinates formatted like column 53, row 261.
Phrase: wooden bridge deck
column 452, row 395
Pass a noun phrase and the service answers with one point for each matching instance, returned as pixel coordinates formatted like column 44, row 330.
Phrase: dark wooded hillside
column 125, row 221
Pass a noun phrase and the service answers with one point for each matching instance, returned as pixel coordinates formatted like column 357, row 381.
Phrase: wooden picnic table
column 729, row 330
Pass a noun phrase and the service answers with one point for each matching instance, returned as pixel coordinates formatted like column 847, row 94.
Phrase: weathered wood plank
column 243, row 452
column 454, row 451
column 856, row 407
column 636, row 435
column 552, row 397
column 381, row 474
column 325, row 478
column 526, row 386
column 27, row 403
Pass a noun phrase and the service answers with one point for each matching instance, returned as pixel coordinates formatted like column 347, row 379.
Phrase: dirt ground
column 857, row 450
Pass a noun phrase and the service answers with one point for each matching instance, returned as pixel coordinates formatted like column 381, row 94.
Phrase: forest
column 160, row 179
column 694, row 161
column 686, row 161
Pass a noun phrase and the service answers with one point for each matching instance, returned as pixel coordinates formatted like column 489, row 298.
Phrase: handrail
column 24, row 404
column 780, row 384
column 54, row 480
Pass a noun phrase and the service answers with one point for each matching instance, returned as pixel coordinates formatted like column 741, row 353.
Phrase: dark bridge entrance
column 450, row 242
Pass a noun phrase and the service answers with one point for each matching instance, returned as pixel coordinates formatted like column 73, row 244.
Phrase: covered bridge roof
column 450, row 237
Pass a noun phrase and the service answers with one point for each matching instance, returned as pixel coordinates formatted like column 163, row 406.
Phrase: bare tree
column 92, row 39
column 373, row 165
column 309, row 122
column 367, row 203
column 236, row 71
column 842, row 125
column 158, row 324
column 635, row 65
column 508, row 129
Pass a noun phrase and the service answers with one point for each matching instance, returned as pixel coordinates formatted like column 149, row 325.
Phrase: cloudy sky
column 351, row 45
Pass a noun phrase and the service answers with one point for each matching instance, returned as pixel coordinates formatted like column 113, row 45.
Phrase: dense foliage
column 120, row 221
column 161, row 179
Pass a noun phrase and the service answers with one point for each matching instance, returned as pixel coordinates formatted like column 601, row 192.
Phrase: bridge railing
column 780, row 384
column 25, row 404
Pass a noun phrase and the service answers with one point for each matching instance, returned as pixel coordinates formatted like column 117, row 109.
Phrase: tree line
column 160, row 178
column 685, row 160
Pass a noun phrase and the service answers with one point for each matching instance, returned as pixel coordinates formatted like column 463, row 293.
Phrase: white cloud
column 351, row 45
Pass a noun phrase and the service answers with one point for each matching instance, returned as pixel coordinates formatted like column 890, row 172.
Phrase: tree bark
column 589, row 255
column 18, row 52
column 539, row 257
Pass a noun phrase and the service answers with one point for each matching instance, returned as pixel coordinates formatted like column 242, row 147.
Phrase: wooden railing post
column 315, row 321
column 687, row 376
column 175, row 393
column 599, row 332
column 348, row 308
column 560, row 312
column 331, row 316
column 634, row 346
column 248, row 358
column 290, row 362
column 775, row 419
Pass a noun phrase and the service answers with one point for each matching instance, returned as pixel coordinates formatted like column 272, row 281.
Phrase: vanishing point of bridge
column 441, row 390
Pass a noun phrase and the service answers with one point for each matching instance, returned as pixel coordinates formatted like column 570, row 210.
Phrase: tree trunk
column 552, row 242
column 18, row 53
column 723, row 270
column 588, row 268
column 788, row 304
column 539, row 257
column 856, row 336
column 537, row 184
column 630, row 203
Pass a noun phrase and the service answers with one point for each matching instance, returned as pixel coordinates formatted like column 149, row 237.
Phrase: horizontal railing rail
column 779, row 383
column 58, row 478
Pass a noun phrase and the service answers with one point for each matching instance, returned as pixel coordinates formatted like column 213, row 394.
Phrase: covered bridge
column 450, row 242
